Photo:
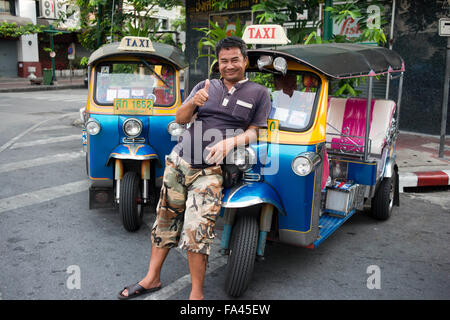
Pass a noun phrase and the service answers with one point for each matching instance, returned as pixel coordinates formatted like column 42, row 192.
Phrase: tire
column 130, row 207
column 242, row 256
column 383, row 201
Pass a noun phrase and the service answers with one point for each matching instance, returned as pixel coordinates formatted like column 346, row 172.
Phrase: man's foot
column 142, row 287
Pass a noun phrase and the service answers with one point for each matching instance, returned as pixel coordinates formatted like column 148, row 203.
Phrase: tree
column 106, row 20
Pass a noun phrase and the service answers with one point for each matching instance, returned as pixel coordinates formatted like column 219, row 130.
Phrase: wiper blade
column 157, row 75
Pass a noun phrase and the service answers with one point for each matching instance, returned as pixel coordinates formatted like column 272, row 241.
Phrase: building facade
column 415, row 37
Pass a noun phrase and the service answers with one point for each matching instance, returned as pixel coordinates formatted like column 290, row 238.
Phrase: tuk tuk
column 321, row 158
column 134, row 93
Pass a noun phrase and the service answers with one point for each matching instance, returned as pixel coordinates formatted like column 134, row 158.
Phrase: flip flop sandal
column 136, row 290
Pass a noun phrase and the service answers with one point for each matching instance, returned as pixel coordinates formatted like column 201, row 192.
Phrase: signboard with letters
column 265, row 34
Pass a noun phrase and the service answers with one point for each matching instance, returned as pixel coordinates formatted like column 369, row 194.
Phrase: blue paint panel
column 296, row 192
column 101, row 145
column 251, row 191
column 362, row 173
column 329, row 225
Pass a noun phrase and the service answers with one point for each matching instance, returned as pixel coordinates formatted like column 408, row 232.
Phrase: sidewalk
column 418, row 161
column 16, row 84
column 417, row 154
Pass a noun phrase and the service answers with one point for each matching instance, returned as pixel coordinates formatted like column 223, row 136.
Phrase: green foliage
column 265, row 79
column 99, row 20
column 12, row 30
column 371, row 31
column 212, row 36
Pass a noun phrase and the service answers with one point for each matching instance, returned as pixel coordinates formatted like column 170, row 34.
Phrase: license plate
column 133, row 106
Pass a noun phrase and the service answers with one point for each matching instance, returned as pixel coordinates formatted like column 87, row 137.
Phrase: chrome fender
column 133, row 152
column 252, row 193
column 389, row 168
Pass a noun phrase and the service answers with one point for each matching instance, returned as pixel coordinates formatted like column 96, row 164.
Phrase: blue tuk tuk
column 321, row 158
column 134, row 93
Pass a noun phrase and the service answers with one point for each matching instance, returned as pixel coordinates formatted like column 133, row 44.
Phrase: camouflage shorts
column 188, row 207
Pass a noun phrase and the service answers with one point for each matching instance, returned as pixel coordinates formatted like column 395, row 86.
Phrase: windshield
column 134, row 80
column 293, row 97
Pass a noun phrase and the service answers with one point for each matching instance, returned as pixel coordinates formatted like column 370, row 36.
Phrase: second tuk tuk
column 129, row 127
column 321, row 158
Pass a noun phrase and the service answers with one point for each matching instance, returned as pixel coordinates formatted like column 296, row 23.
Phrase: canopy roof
column 340, row 60
column 165, row 51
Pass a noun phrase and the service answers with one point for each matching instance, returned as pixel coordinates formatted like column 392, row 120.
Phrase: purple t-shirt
column 227, row 113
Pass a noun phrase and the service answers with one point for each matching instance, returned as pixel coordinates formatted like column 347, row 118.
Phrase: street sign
column 71, row 51
column 444, row 27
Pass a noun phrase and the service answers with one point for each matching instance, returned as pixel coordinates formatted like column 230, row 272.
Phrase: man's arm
column 220, row 150
column 186, row 110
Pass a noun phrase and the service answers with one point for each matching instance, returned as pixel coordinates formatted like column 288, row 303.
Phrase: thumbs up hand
column 201, row 96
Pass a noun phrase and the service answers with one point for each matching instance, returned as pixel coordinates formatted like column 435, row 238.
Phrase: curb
column 424, row 179
column 43, row 88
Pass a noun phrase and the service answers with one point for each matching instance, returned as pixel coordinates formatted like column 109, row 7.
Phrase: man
column 192, row 185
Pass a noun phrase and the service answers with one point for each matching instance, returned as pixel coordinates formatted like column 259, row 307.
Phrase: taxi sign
column 136, row 44
column 265, row 34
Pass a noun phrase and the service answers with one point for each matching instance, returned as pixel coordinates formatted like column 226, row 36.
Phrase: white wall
column 25, row 51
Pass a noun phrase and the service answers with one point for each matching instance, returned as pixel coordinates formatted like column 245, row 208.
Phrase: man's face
column 232, row 64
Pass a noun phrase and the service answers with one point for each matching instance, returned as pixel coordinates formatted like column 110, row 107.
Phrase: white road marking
column 46, row 141
column 435, row 146
column 13, row 140
column 57, row 127
column 42, row 195
column 61, row 157
column 181, row 283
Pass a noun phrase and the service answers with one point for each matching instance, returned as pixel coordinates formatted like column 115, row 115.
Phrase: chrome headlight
column 264, row 61
column 132, row 127
column 244, row 159
column 93, row 127
column 175, row 129
column 280, row 64
column 305, row 163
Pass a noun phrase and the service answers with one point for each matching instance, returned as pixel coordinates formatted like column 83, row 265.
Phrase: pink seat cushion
column 354, row 124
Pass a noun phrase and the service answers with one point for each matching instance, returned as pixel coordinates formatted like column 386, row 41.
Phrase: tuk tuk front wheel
column 242, row 257
column 130, row 206
column 383, row 201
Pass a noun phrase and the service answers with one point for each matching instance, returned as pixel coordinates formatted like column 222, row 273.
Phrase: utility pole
column 327, row 22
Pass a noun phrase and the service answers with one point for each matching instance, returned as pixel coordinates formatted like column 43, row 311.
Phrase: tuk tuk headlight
column 244, row 159
column 280, row 64
column 305, row 163
column 132, row 127
column 93, row 127
column 264, row 61
column 175, row 129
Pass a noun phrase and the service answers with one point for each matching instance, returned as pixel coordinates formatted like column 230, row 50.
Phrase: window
column 7, row 6
column 293, row 98
column 134, row 80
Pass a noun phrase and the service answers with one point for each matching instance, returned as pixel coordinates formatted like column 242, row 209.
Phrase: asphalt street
column 54, row 247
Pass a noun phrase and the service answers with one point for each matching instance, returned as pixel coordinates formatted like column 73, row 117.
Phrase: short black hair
column 231, row 42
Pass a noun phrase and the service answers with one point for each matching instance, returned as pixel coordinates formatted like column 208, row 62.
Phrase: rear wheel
column 242, row 256
column 383, row 201
column 130, row 202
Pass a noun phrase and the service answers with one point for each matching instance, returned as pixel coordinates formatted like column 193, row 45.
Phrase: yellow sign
column 136, row 44
column 133, row 106
column 273, row 127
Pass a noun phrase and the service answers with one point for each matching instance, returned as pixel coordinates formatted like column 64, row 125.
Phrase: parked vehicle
column 321, row 158
column 134, row 92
